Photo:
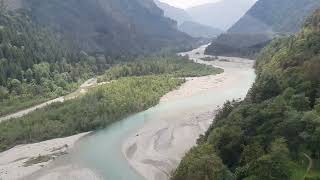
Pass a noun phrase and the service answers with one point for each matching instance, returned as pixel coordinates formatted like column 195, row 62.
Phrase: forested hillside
column 174, row 66
column 112, row 27
column 36, row 65
column 266, row 20
column 270, row 134
column 238, row 45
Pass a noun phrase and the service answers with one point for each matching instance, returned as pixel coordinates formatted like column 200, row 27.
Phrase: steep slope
column 198, row 30
column 264, row 21
column 238, row 45
column 222, row 14
column 273, row 16
column 36, row 64
column 268, row 135
column 109, row 26
column 174, row 13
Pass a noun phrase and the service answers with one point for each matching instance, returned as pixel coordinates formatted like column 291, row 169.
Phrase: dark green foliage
column 36, row 65
column 166, row 65
column 264, row 136
column 238, row 45
column 274, row 165
column 202, row 164
column 96, row 110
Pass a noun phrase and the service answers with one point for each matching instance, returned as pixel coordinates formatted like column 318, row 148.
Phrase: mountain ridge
column 195, row 29
column 174, row 13
column 109, row 26
column 266, row 20
column 292, row 12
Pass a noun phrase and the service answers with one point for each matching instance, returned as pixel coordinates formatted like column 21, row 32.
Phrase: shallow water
column 102, row 151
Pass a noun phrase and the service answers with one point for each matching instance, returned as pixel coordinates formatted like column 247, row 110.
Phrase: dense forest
column 36, row 65
column 175, row 66
column 272, row 133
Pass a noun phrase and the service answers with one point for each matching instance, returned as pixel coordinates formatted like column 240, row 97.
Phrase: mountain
column 185, row 23
column 47, row 47
column 238, row 44
column 112, row 27
column 266, row 20
column 11, row 4
column 174, row 13
column 273, row 16
column 222, row 14
column 274, row 133
column 198, row 30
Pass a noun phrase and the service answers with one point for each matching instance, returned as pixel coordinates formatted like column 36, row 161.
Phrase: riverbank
column 24, row 160
column 156, row 149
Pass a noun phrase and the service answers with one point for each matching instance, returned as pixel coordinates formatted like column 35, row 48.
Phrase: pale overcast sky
column 187, row 3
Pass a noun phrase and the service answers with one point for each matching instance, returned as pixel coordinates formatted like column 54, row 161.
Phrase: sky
column 187, row 3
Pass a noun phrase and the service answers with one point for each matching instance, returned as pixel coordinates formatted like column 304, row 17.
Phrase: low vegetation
column 266, row 135
column 96, row 110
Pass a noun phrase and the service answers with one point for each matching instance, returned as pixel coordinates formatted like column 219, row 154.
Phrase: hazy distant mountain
column 174, row 13
column 222, row 14
column 275, row 16
column 108, row 26
column 185, row 23
column 198, row 30
column 265, row 20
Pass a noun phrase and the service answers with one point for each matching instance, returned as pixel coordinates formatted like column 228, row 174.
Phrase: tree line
column 175, row 66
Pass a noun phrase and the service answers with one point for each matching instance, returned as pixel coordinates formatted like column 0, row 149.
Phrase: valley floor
column 156, row 149
column 153, row 151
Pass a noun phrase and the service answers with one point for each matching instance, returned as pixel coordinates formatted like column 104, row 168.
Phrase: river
column 150, row 144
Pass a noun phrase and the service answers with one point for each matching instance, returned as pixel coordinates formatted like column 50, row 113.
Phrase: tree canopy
column 266, row 135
